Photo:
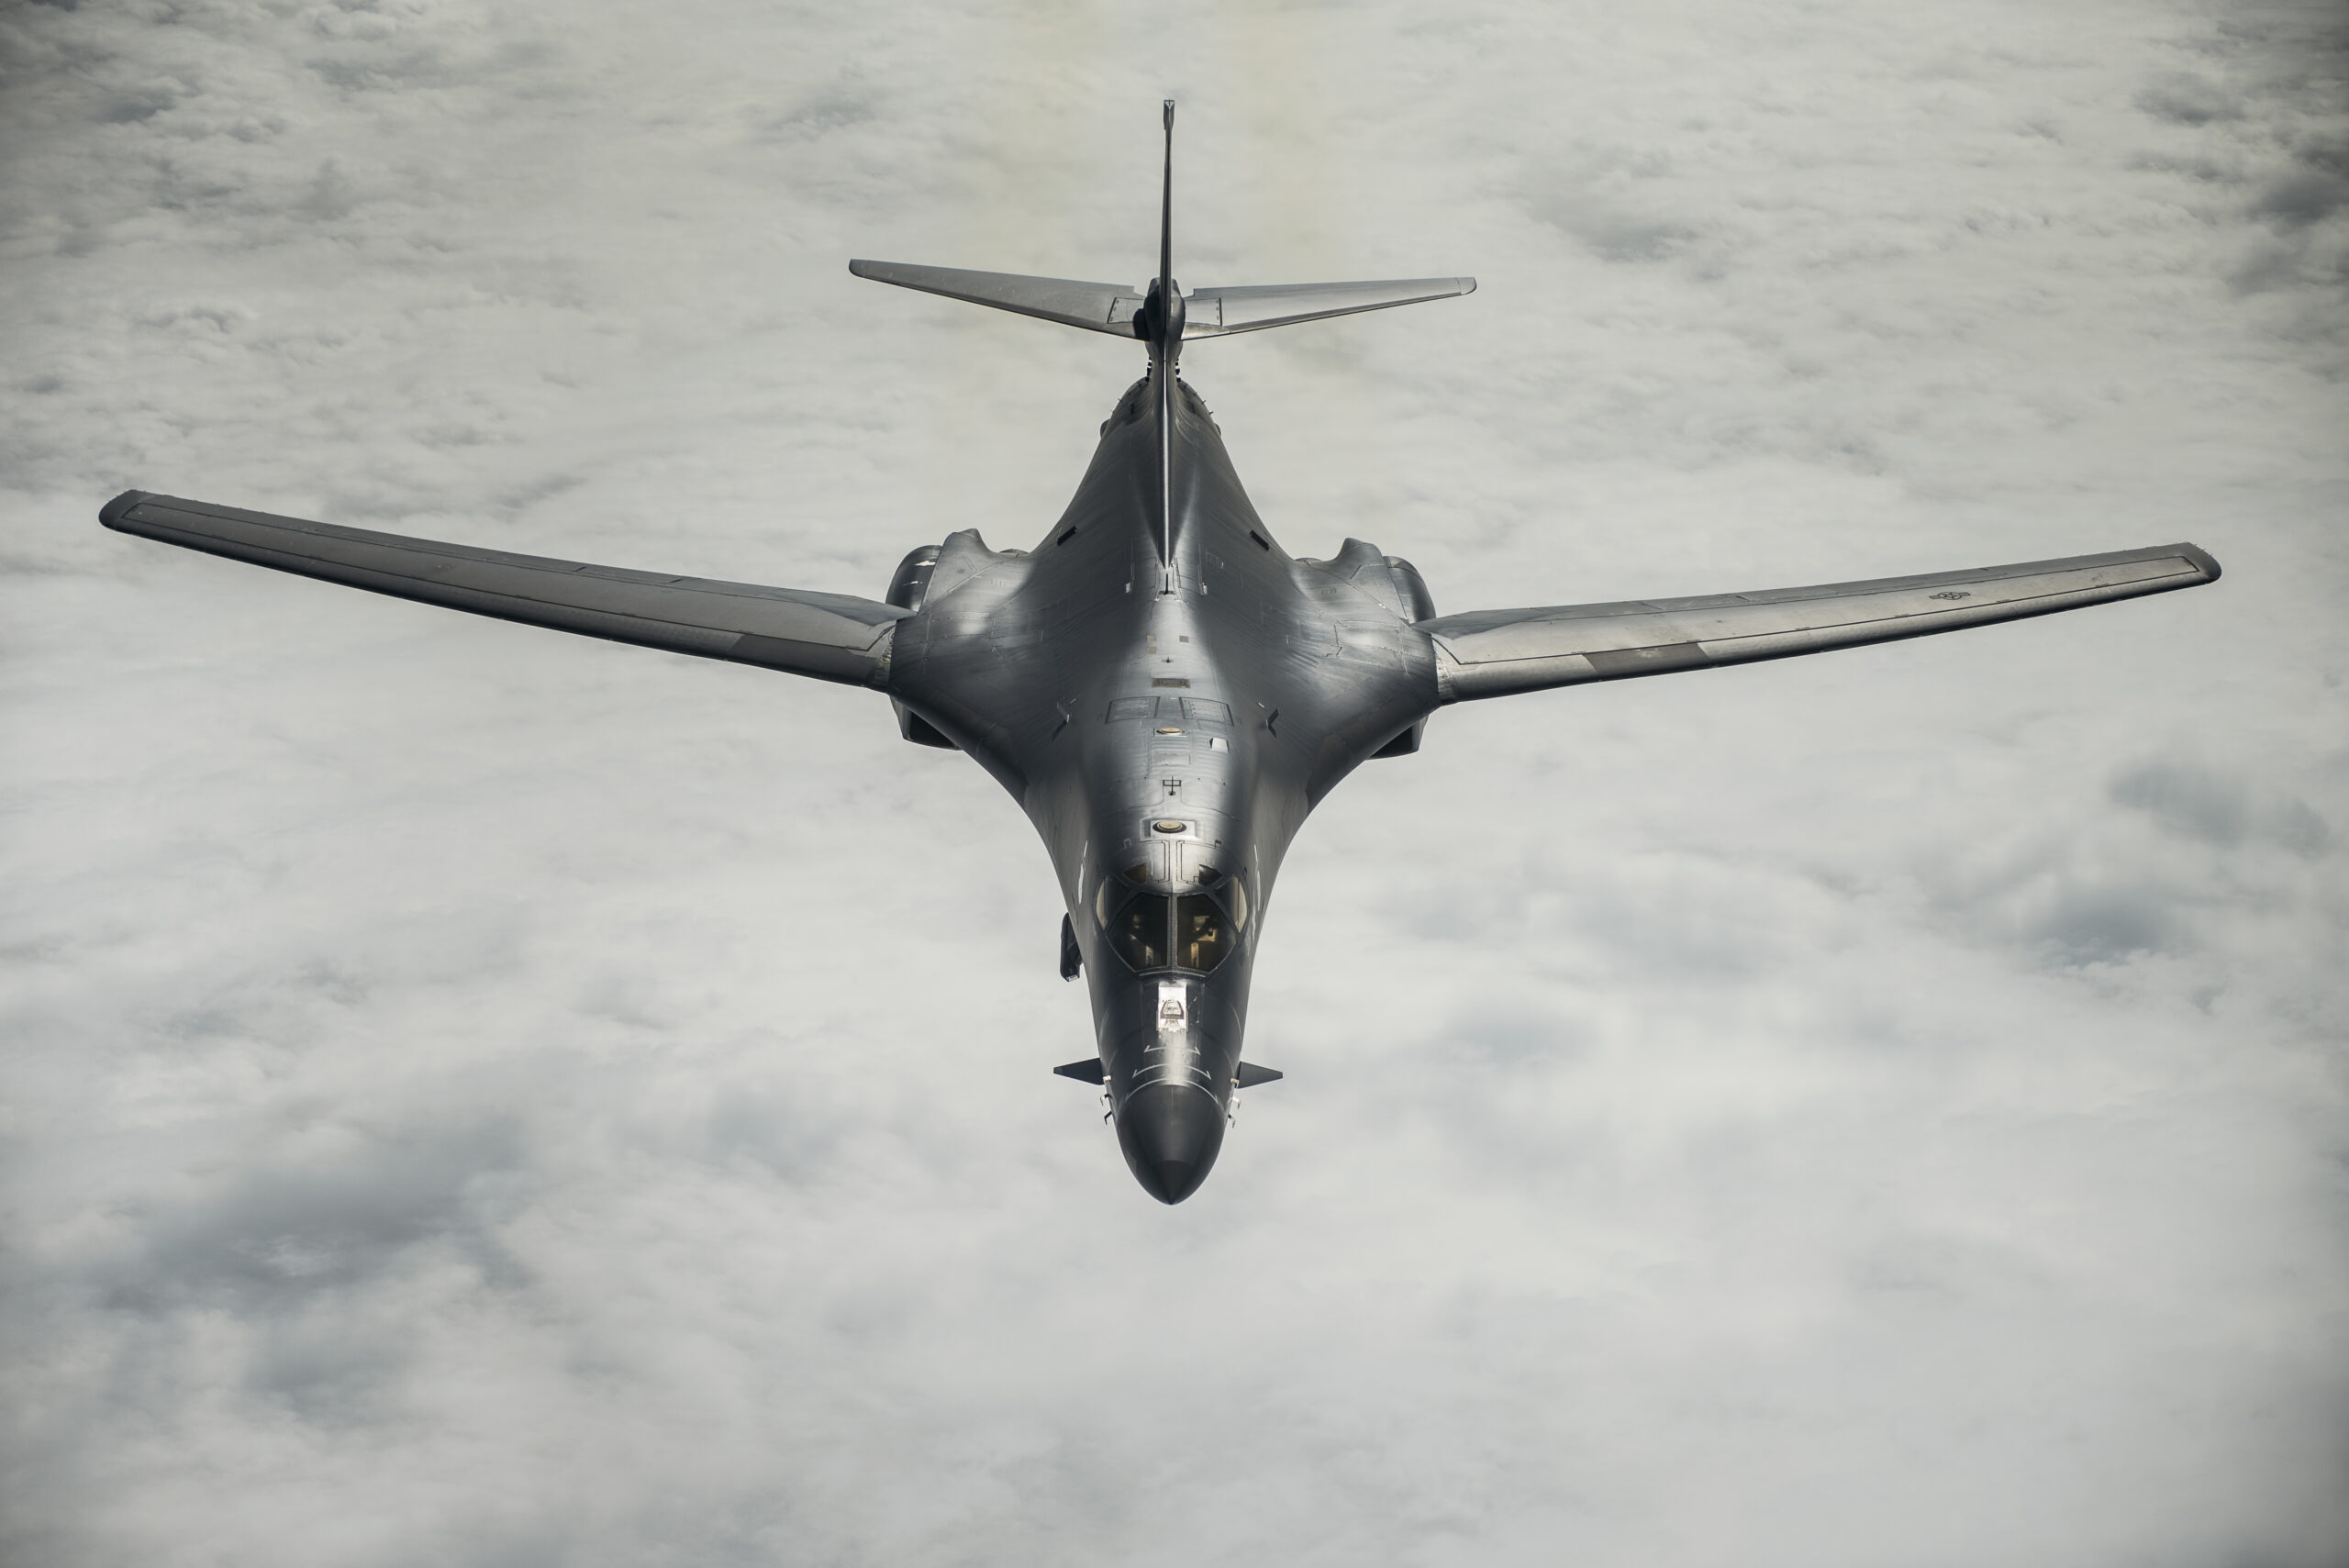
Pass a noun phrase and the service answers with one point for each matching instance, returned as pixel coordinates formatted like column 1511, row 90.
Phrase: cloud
column 2205, row 805
column 482, row 1096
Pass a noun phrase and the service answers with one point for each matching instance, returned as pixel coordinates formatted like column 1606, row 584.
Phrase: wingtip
column 112, row 512
column 2202, row 558
column 1469, row 285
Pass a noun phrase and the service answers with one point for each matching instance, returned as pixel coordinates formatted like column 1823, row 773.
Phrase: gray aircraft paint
column 1165, row 691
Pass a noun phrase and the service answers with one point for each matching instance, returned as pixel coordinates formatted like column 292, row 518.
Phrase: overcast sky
column 477, row 1096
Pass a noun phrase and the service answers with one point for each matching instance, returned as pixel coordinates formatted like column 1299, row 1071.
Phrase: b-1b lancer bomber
column 1165, row 690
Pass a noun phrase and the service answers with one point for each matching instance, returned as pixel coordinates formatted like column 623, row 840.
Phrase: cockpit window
column 1150, row 930
column 1202, row 937
column 1138, row 932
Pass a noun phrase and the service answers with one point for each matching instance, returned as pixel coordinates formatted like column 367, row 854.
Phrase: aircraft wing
column 1491, row 653
column 833, row 637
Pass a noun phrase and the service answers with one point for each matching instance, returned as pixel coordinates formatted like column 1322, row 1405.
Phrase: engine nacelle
column 1412, row 587
column 906, row 590
column 1417, row 605
column 912, row 579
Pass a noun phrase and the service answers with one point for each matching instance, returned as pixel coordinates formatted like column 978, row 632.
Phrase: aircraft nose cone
column 1171, row 1134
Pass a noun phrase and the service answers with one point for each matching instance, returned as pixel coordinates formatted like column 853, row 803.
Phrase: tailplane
column 1125, row 312
column 1096, row 307
column 1218, row 312
column 1116, row 309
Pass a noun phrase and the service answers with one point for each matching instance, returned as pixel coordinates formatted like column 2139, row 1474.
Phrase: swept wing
column 833, row 637
column 1490, row 653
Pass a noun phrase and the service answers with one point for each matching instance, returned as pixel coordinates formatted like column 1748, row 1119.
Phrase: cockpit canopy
column 1153, row 931
column 1193, row 930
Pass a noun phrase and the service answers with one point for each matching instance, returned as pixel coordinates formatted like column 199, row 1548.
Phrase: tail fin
column 1166, row 210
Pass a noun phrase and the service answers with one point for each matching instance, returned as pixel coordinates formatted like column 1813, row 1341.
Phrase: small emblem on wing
column 1952, row 594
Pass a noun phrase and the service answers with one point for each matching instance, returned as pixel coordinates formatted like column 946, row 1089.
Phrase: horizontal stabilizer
column 1113, row 307
column 1086, row 1072
column 1219, row 312
column 1096, row 307
column 1249, row 1076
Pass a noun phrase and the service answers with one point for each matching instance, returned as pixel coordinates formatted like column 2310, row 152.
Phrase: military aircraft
column 1165, row 690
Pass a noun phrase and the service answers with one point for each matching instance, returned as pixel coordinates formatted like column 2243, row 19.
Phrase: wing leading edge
column 1491, row 653
column 833, row 637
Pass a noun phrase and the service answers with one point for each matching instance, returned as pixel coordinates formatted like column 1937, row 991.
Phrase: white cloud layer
column 479, row 1096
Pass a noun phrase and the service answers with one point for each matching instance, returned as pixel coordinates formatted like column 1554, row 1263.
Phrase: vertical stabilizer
column 1165, row 313
column 1166, row 211
column 1159, row 321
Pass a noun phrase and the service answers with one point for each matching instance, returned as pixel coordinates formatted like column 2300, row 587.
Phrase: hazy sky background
column 479, row 1096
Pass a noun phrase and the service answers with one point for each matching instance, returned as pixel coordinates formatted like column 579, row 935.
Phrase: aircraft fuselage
column 1167, row 701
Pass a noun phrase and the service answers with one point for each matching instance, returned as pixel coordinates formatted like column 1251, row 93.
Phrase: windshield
column 1201, row 934
column 1150, row 930
column 1138, row 931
